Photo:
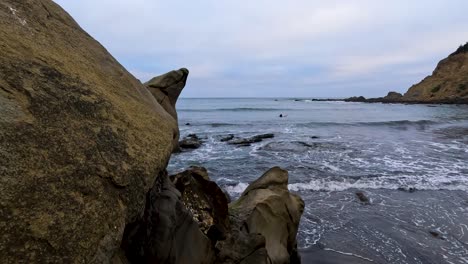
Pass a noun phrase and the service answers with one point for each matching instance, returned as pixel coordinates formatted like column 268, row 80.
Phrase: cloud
column 316, row 48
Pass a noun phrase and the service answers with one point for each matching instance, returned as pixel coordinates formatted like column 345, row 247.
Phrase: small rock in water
column 436, row 234
column 248, row 141
column 190, row 142
column 187, row 124
column 410, row 189
column 314, row 137
column 227, row 138
column 362, row 197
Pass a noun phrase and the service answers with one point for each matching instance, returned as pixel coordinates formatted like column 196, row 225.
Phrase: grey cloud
column 318, row 48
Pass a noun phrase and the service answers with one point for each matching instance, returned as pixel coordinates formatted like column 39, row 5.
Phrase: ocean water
column 411, row 161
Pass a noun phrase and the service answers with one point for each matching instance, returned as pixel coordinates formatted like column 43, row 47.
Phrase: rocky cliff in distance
column 166, row 89
column 448, row 84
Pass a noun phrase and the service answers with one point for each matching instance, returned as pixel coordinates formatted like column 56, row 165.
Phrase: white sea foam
column 236, row 189
column 453, row 183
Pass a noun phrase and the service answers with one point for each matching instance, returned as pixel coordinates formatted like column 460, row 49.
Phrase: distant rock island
column 448, row 84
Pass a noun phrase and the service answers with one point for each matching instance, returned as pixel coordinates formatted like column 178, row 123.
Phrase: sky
column 273, row 48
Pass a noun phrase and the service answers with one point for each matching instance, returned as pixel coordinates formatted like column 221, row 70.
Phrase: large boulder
column 166, row 89
column 81, row 140
column 268, row 209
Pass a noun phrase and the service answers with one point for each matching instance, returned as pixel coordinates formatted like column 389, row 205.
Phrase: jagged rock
column 250, row 140
column 267, row 208
column 191, row 141
column 167, row 232
column 166, row 89
column 205, row 200
column 81, row 140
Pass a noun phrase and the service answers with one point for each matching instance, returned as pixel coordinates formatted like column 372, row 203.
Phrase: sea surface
column 411, row 161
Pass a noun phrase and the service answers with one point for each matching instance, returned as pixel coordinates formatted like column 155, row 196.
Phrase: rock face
column 266, row 217
column 167, row 232
column 207, row 203
column 81, row 140
column 166, row 89
column 447, row 84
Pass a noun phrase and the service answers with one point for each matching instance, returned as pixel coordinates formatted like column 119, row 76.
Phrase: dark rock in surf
column 191, row 141
column 227, row 138
column 314, row 137
column 250, row 140
column 436, row 234
column 362, row 197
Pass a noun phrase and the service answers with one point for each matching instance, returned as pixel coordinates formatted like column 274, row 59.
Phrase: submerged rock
column 362, row 197
column 266, row 216
column 81, row 140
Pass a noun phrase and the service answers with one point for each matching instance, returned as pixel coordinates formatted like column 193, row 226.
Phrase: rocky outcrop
column 447, row 84
column 248, row 141
column 205, row 200
column 265, row 217
column 166, row 89
column 167, row 232
column 81, row 140
column 83, row 153
column 187, row 219
column 392, row 97
column 192, row 141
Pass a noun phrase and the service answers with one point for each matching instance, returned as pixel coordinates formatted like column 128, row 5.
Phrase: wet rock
column 191, row 141
column 81, row 140
column 227, row 138
column 188, row 124
column 314, row 137
column 362, row 197
column 250, row 140
column 266, row 216
column 167, row 232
